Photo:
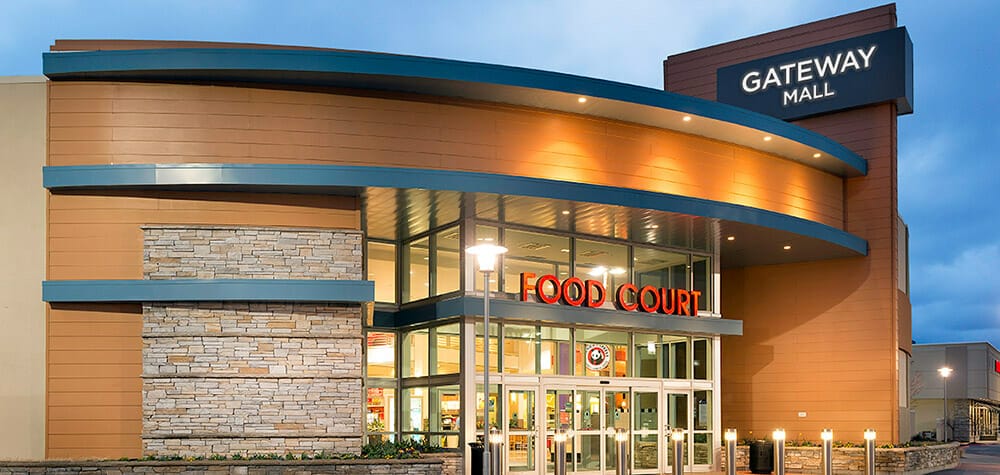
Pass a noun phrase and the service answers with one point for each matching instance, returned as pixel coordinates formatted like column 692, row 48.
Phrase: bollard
column 621, row 441
column 560, row 441
column 869, row 451
column 779, row 451
column 730, row 451
column 827, row 437
column 496, row 442
column 677, row 436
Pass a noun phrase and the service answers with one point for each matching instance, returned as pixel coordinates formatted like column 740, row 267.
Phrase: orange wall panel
column 95, row 236
column 120, row 123
column 93, row 379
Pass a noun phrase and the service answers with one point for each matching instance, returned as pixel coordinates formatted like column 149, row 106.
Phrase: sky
column 948, row 152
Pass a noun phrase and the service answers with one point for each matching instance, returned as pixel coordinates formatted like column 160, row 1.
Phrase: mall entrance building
column 262, row 249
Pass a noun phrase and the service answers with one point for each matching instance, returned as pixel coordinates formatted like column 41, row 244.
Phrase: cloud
column 958, row 300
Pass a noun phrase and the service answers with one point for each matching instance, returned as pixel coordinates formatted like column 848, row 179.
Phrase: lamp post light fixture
column 486, row 257
column 827, row 437
column 945, row 371
column 730, row 451
column 677, row 437
column 560, row 442
column 621, row 443
column 779, row 451
column 869, row 451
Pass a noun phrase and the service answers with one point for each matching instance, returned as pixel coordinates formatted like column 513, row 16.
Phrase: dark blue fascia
column 564, row 314
column 377, row 70
column 320, row 178
column 207, row 290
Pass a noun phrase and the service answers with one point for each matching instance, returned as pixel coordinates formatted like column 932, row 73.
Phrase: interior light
column 564, row 250
column 654, row 226
column 817, row 155
column 731, row 238
column 617, row 271
column 687, row 118
column 581, row 99
column 787, row 247
column 380, row 354
column 597, row 271
column 767, row 138
column 651, row 347
column 565, row 212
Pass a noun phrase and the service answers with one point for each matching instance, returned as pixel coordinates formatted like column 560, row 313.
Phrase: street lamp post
column 486, row 257
column 945, row 371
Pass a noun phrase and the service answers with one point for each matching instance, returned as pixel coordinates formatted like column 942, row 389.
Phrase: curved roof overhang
column 461, row 80
column 762, row 232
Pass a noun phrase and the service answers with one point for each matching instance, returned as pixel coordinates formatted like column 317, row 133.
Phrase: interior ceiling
column 393, row 214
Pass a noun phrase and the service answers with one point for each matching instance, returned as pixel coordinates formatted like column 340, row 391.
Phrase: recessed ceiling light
column 687, row 118
column 787, row 247
column 564, row 250
column 767, row 138
column 565, row 212
column 654, row 226
column 427, row 258
column 581, row 99
column 817, row 155
column 731, row 238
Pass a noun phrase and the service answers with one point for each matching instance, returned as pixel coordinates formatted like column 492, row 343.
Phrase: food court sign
column 577, row 292
column 849, row 73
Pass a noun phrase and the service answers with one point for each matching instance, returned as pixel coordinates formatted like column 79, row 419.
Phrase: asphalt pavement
column 977, row 459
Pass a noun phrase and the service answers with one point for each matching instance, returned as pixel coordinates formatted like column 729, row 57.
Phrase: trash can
column 477, row 457
column 761, row 456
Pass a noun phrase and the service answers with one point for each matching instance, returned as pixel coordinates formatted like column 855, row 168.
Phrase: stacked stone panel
column 251, row 377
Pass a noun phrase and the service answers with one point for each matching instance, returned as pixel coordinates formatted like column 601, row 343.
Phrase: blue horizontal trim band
column 208, row 290
column 333, row 176
column 319, row 67
column 559, row 314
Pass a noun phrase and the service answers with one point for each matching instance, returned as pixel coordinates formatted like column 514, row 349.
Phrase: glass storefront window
column 519, row 349
column 494, row 341
column 702, row 358
column 702, row 411
column 416, row 410
column 661, row 269
column 415, row 353
column 537, row 253
column 382, row 269
column 446, row 404
column 416, row 270
column 380, row 419
column 381, row 357
column 479, row 407
column 487, row 235
column 447, row 270
column 647, row 361
column 447, row 349
column 604, row 262
column 675, row 357
column 556, row 356
column 601, row 353
column 701, row 275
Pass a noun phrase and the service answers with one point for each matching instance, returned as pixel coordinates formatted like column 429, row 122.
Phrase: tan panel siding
column 94, row 385
column 103, row 123
column 95, row 236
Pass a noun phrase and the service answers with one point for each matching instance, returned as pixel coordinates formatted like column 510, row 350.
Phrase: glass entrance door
column 676, row 417
column 521, row 432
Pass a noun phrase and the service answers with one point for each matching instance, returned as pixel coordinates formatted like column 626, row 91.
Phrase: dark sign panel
column 849, row 73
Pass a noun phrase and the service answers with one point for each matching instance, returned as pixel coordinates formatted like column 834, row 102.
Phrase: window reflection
column 446, row 264
column 382, row 269
column 381, row 356
column 604, row 262
column 537, row 253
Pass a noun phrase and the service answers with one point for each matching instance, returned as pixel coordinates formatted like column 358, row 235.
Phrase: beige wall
column 22, row 260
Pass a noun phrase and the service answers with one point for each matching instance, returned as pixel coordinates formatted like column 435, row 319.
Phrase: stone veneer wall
column 850, row 461
column 422, row 466
column 232, row 377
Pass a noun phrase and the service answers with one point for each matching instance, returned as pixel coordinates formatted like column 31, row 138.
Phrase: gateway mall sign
column 849, row 73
